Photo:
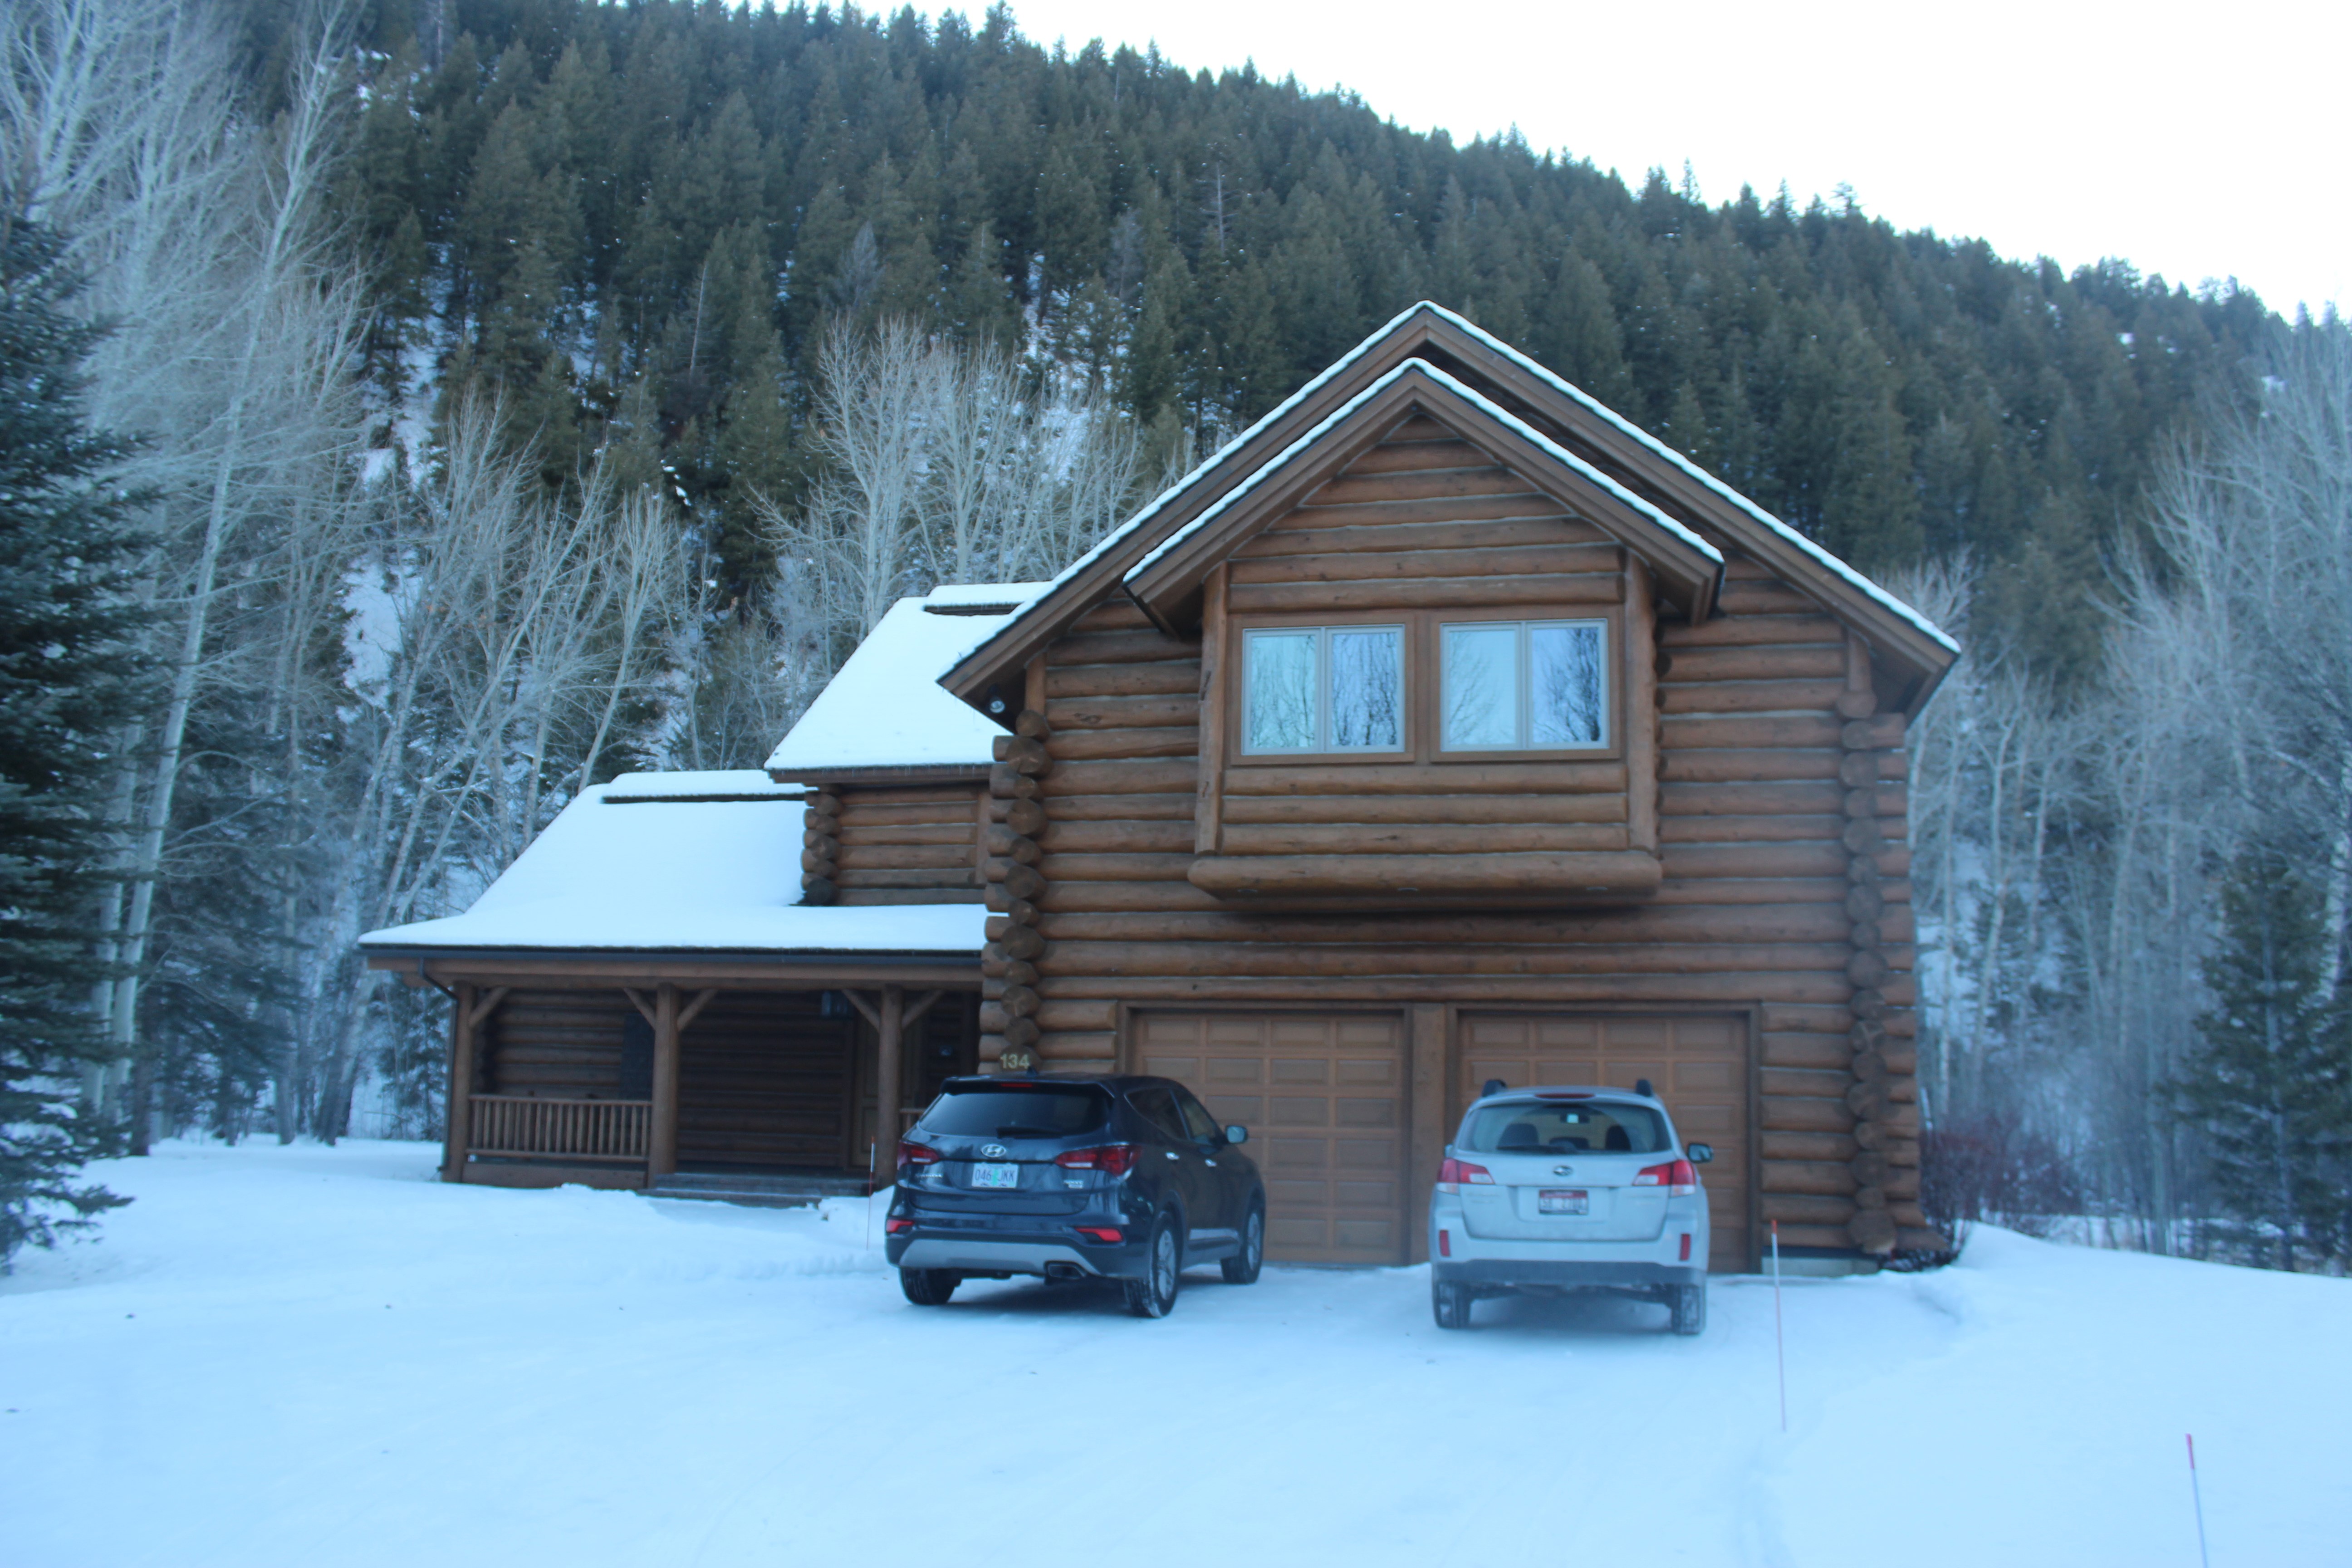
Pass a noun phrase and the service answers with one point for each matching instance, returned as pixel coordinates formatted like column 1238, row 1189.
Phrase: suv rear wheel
column 1688, row 1303
column 1450, row 1304
column 1154, row 1295
column 1242, row 1269
column 928, row 1287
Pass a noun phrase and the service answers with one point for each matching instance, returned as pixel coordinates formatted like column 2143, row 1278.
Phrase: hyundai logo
column 992, row 1150
column 1563, row 1170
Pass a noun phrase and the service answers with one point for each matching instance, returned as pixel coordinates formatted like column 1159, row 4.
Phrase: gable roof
column 1688, row 568
column 883, row 714
column 1915, row 649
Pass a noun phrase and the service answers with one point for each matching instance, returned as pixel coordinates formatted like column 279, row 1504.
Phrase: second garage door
column 1324, row 1099
column 1698, row 1064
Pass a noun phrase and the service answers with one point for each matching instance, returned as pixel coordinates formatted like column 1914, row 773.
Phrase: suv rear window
column 1562, row 1127
column 1058, row 1112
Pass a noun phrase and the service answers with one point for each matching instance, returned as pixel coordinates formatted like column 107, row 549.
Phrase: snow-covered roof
column 1627, row 427
column 884, row 709
column 691, row 861
column 1485, row 404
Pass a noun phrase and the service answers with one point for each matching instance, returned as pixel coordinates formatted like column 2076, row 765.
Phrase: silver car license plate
column 1563, row 1200
column 1004, row 1174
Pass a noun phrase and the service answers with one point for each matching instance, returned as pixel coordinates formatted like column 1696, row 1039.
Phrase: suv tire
column 1688, row 1304
column 1242, row 1269
column 1154, row 1295
column 1450, row 1304
column 928, row 1287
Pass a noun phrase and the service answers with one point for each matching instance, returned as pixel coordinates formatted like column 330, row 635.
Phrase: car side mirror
column 1699, row 1154
column 1236, row 1134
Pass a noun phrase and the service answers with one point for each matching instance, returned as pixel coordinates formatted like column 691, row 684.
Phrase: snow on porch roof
column 885, row 709
column 679, row 862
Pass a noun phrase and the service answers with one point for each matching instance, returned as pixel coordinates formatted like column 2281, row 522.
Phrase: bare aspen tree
column 518, row 629
column 861, row 531
column 944, row 464
column 206, row 241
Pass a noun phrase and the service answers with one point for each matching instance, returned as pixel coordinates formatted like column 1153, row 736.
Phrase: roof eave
column 1168, row 580
column 943, row 772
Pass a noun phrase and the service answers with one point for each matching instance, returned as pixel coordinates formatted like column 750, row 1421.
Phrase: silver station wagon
column 1570, row 1188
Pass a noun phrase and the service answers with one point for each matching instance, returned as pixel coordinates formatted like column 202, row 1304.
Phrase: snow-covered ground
column 324, row 1357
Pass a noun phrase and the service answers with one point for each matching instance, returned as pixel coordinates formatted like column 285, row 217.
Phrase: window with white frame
column 1323, row 689
column 1509, row 685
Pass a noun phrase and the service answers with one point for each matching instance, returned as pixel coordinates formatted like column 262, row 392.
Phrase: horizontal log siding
column 1753, row 910
column 909, row 845
column 558, row 1045
column 764, row 1079
column 1366, row 540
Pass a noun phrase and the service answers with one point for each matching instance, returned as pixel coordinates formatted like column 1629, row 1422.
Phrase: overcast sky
column 2196, row 142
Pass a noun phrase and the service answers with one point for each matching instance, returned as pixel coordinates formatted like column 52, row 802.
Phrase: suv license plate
column 1002, row 1176
column 1559, row 1200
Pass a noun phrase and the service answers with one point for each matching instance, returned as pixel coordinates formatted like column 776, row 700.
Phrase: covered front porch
column 703, row 1078
column 640, row 1001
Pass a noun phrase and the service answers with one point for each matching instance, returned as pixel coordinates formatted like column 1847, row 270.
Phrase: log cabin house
column 1443, row 727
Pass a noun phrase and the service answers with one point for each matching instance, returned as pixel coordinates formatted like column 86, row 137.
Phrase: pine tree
column 2272, row 1092
column 67, row 684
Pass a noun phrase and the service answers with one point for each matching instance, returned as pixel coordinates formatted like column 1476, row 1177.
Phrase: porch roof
column 682, row 862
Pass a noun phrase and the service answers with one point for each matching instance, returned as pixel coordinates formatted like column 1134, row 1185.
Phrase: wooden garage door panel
column 1698, row 1064
column 1323, row 1098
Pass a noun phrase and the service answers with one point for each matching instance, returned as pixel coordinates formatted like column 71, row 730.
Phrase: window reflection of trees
column 1564, row 667
column 1481, row 687
column 1366, row 689
column 1280, row 671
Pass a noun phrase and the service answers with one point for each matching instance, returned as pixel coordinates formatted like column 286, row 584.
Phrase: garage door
column 1324, row 1099
column 1698, row 1064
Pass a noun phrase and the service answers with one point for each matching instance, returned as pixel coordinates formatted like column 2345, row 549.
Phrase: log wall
column 1421, row 525
column 556, row 1045
column 764, row 1078
column 896, row 845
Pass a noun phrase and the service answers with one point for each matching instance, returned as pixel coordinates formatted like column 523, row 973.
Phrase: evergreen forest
column 617, row 215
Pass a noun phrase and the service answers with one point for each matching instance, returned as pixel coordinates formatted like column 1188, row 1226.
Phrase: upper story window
column 1323, row 689
column 1509, row 685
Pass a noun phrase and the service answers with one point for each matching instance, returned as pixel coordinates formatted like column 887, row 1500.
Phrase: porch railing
column 518, row 1125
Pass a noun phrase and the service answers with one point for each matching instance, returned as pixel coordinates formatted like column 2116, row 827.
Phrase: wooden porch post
column 461, row 1086
column 473, row 1007
column 889, row 1032
column 661, row 1154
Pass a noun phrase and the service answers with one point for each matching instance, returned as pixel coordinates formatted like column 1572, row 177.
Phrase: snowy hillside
column 323, row 1357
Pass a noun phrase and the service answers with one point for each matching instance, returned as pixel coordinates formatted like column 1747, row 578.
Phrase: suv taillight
column 1680, row 1179
column 916, row 1153
column 1111, row 1159
column 1453, row 1173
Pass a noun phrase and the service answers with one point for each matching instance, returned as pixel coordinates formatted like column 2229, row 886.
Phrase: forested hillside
column 645, row 214
column 498, row 394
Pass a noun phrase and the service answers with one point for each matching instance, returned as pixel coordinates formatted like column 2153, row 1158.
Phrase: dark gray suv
column 1119, row 1178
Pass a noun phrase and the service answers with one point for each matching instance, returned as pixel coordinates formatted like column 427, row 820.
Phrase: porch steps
column 761, row 1189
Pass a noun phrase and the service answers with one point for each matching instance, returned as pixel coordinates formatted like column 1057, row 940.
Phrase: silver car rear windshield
column 1058, row 1112
column 1560, row 1127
